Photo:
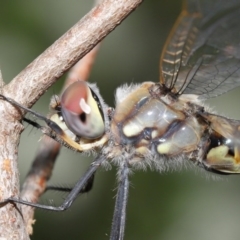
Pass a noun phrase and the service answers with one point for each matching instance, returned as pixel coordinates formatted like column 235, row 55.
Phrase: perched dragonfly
column 158, row 125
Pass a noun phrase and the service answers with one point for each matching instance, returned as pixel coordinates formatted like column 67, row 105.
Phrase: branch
column 31, row 83
column 37, row 77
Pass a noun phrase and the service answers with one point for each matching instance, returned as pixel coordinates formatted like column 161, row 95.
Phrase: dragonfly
column 157, row 125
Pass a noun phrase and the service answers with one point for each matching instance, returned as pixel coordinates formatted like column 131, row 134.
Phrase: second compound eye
column 81, row 112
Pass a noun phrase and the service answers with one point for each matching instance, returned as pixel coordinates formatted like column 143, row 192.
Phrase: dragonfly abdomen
column 222, row 152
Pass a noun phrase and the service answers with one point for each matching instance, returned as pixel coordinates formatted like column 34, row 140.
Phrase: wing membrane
column 202, row 53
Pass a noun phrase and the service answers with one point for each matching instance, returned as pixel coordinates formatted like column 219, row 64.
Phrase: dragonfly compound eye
column 82, row 111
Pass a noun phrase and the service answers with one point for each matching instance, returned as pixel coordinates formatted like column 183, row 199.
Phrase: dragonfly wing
column 201, row 55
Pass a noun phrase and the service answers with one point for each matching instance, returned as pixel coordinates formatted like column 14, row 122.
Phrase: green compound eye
column 81, row 111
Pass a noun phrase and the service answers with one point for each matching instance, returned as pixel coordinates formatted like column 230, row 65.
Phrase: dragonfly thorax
column 151, row 120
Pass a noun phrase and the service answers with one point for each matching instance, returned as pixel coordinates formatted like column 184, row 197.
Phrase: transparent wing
column 202, row 53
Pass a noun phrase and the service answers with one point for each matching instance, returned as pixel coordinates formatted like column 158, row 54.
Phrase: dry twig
column 32, row 82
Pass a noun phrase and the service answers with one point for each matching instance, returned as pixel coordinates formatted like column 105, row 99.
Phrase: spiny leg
column 119, row 217
column 55, row 134
column 49, row 122
column 16, row 104
column 34, row 124
column 86, row 188
column 71, row 196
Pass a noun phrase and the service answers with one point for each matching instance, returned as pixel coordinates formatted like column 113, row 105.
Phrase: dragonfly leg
column 119, row 217
column 88, row 186
column 79, row 187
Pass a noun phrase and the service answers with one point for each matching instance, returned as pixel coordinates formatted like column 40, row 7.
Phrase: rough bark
column 31, row 83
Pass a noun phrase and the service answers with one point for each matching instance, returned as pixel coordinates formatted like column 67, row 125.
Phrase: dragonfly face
column 158, row 125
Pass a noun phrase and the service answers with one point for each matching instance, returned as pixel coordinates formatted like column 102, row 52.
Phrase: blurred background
column 183, row 205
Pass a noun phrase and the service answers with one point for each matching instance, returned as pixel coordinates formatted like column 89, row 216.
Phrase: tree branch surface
column 27, row 87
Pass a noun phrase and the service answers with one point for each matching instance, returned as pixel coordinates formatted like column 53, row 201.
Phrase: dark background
column 183, row 205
